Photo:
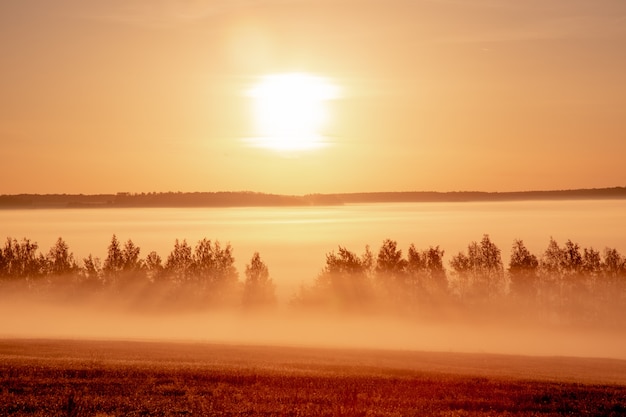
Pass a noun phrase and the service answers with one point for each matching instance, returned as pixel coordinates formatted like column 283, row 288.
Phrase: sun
column 290, row 111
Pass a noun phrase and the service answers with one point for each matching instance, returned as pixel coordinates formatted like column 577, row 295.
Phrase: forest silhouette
column 256, row 199
column 565, row 284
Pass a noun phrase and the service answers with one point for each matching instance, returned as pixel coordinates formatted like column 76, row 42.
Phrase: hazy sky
column 146, row 95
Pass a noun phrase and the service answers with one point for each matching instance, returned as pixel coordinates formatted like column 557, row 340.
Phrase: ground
column 131, row 378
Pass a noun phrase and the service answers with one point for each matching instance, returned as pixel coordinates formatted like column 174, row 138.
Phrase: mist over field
column 312, row 279
column 123, row 317
column 312, row 208
column 315, row 311
column 287, row 328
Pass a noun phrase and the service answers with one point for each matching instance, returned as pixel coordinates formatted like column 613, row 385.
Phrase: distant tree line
column 249, row 199
column 567, row 284
column 202, row 276
column 152, row 199
column 564, row 284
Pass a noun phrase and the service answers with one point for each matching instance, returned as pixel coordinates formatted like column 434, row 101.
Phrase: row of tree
column 200, row 276
column 567, row 282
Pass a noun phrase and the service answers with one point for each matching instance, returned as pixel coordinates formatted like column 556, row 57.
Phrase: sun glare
column 290, row 111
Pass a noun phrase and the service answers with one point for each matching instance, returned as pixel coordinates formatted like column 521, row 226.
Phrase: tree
column 214, row 270
column 592, row 262
column 122, row 266
column 347, row 262
column 258, row 288
column 389, row 261
column 567, row 278
column 345, row 281
column 391, row 274
column 154, row 267
column 6, row 258
column 553, row 259
column 20, row 259
column 523, row 267
column 426, row 272
column 204, row 261
column 480, row 273
column 613, row 283
column 572, row 261
column 92, row 270
column 225, row 274
column 60, row 260
column 130, row 257
column 4, row 264
column 179, row 264
column 114, row 262
column 614, row 264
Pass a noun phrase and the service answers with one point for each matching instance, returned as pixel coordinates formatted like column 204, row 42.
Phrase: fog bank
column 291, row 328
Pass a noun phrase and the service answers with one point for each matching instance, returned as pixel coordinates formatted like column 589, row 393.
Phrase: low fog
column 566, row 302
column 284, row 326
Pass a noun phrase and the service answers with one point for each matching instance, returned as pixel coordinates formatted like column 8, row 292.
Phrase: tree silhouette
column 205, row 275
column 480, row 273
column 568, row 277
column 572, row 261
column 212, row 264
column 130, row 257
column 570, row 283
column 21, row 261
column 60, row 261
column 344, row 283
column 122, row 266
column 258, row 288
column 92, row 271
column 612, row 286
column 224, row 276
column 614, row 264
column 4, row 264
column 114, row 262
column 204, row 262
column 154, row 266
column 179, row 264
column 389, row 261
column 426, row 273
column 523, row 268
column 391, row 273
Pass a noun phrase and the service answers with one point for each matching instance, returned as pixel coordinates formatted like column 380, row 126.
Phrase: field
column 123, row 378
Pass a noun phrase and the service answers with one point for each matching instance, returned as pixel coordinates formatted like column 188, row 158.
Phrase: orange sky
column 145, row 95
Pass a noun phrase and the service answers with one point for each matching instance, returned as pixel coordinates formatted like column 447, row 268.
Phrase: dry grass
column 105, row 379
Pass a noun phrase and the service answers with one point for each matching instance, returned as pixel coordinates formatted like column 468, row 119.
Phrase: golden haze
column 137, row 96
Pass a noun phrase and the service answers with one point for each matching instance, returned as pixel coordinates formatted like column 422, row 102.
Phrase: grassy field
column 117, row 378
